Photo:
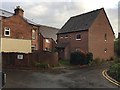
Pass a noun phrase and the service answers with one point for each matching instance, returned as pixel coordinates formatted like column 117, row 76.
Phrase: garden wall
column 29, row 59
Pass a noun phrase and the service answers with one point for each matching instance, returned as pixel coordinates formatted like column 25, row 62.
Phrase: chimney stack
column 19, row 11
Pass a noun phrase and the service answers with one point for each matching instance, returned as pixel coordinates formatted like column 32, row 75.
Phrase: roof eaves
column 72, row 31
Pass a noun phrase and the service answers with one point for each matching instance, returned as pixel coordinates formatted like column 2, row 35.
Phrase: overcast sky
column 56, row 12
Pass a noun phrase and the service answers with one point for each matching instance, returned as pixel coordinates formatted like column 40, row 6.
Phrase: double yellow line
column 104, row 73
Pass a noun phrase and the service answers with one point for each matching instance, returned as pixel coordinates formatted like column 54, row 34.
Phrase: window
column 33, row 34
column 61, row 37
column 47, row 49
column 33, row 47
column 77, row 49
column 47, row 41
column 105, row 37
column 6, row 31
column 78, row 37
column 66, row 36
column 105, row 50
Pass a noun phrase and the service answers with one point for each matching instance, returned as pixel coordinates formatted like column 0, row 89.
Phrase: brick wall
column 97, row 43
column 38, row 41
column 73, row 43
column 19, row 28
column 11, row 59
column 50, row 45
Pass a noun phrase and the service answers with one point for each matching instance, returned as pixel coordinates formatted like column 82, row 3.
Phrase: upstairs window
column 6, row 31
column 78, row 37
column 66, row 36
column 105, row 37
column 33, row 34
column 105, row 50
column 61, row 37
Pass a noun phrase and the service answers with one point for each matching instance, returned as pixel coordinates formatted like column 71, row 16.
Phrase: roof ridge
column 48, row 26
column 87, row 12
column 6, row 11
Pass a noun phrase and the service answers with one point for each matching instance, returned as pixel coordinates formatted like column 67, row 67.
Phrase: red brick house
column 88, row 32
column 41, row 37
column 50, row 37
column 16, row 33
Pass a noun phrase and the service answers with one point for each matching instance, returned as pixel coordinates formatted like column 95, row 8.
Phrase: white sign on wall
column 19, row 56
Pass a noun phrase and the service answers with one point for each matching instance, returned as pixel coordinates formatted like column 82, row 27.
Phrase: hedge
column 80, row 58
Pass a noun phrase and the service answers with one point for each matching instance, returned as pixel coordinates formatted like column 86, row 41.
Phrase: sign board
column 20, row 57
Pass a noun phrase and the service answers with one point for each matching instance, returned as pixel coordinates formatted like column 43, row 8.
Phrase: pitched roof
column 48, row 32
column 5, row 13
column 80, row 22
column 9, row 14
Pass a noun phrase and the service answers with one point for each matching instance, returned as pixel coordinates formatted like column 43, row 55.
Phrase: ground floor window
column 33, row 47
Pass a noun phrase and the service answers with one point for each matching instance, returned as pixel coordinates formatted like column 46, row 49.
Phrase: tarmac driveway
column 89, row 77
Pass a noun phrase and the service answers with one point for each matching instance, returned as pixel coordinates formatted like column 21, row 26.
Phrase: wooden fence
column 29, row 59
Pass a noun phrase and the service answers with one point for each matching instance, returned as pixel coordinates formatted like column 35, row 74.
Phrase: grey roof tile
column 48, row 32
column 80, row 22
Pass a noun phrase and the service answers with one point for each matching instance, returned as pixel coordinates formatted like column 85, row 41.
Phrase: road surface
column 88, row 77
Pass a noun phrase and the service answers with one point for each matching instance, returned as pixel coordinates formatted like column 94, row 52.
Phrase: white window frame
column 20, row 57
column 76, row 36
column 6, row 29
column 33, row 47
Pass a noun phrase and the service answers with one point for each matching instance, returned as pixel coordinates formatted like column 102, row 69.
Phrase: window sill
column 7, row 35
column 78, row 39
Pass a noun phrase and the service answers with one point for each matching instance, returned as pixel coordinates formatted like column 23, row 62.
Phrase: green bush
column 64, row 62
column 114, row 71
column 77, row 58
column 42, row 65
column 96, row 61
column 89, row 57
column 80, row 58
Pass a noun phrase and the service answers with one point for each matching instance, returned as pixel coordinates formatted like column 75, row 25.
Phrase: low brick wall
column 29, row 60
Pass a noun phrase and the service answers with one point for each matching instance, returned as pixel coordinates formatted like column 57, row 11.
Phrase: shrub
column 89, row 57
column 42, row 65
column 77, row 58
column 114, row 71
column 64, row 62
column 96, row 61
column 56, row 65
column 80, row 58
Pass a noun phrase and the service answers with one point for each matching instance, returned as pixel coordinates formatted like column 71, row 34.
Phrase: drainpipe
column 38, row 38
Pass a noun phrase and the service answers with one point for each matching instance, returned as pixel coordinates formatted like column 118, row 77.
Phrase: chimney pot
column 19, row 11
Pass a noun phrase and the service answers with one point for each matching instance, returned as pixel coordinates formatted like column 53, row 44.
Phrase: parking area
column 87, row 77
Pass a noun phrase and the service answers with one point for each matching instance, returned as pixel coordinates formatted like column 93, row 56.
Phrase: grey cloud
column 57, row 13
